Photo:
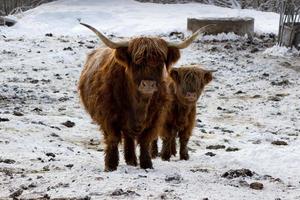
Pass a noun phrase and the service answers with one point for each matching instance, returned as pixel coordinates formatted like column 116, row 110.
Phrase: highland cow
column 186, row 87
column 124, row 90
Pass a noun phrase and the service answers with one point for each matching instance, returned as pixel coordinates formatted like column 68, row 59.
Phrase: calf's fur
column 181, row 113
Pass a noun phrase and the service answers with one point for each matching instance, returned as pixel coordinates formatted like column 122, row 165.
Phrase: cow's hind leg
column 129, row 151
column 111, row 151
column 154, row 149
column 173, row 146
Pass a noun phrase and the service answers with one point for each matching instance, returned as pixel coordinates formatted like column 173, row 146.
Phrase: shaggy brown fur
column 186, row 87
column 124, row 91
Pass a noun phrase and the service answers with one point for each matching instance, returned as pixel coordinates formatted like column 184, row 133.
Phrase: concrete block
column 239, row 26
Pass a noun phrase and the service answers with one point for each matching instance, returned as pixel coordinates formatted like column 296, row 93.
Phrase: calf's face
column 189, row 83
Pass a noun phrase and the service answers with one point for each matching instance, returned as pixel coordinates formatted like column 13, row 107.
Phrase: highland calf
column 186, row 87
column 124, row 90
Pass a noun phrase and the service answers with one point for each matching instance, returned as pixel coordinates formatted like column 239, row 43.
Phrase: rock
column 68, row 124
column 117, row 192
column 211, row 154
column 256, row 186
column 90, row 46
column 285, row 64
column 280, row 83
column 37, row 110
column 120, row 192
column 279, row 142
column 69, row 165
column 54, row 135
column 46, row 168
column 240, row 92
column 254, row 50
column 243, row 183
column 230, row 149
column 7, row 161
column 219, row 108
column 215, row 147
column 7, row 21
column 49, row 35
column 16, row 193
column 237, row 173
column 32, row 185
column 4, row 119
column 174, row 178
column 274, row 98
column 68, row 49
column 199, row 170
column 256, row 96
column 50, row 154
column 228, row 46
column 17, row 113
column 266, row 74
column 63, row 99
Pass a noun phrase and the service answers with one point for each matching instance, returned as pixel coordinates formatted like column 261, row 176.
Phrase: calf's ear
column 172, row 57
column 207, row 77
column 175, row 75
column 122, row 56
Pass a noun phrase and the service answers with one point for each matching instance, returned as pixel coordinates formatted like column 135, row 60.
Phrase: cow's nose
column 137, row 128
column 191, row 95
column 147, row 86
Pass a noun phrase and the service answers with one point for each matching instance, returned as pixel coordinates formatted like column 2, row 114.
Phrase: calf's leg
column 167, row 144
column 184, row 137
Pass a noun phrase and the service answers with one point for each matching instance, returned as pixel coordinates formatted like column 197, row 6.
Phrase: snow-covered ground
column 253, row 101
column 127, row 17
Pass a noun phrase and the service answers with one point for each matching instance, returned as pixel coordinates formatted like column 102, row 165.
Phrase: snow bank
column 282, row 51
column 125, row 18
column 221, row 37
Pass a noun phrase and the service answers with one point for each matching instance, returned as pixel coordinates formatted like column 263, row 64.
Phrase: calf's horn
column 190, row 39
column 105, row 40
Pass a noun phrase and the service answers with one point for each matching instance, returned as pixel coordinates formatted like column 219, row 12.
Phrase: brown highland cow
column 123, row 88
column 186, row 87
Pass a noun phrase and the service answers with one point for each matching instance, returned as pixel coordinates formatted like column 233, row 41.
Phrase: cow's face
column 189, row 83
column 146, row 61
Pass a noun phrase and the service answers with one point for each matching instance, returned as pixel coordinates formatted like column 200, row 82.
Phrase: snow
column 126, row 18
column 282, row 51
column 221, row 37
column 252, row 101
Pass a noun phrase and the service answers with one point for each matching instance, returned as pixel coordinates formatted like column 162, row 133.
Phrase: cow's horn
column 212, row 70
column 105, row 40
column 189, row 40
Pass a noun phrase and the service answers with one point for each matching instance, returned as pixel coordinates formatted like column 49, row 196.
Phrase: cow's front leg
column 154, row 149
column 111, row 150
column 129, row 151
column 145, row 158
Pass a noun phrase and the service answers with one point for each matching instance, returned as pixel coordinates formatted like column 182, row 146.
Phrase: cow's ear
column 207, row 77
column 122, row 56
column 175, row 75
column 173, row 56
